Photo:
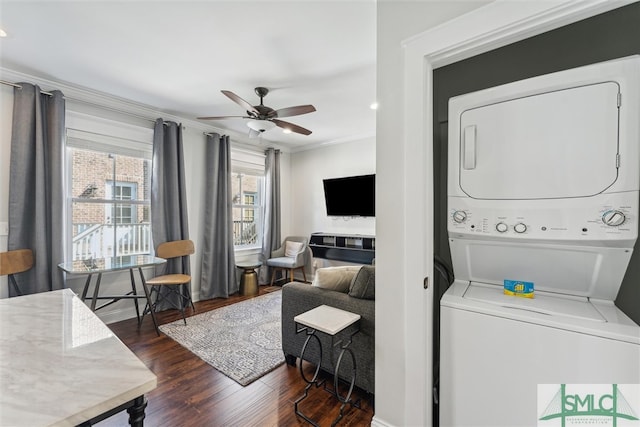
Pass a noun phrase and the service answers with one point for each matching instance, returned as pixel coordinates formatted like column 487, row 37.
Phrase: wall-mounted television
column 350, row 196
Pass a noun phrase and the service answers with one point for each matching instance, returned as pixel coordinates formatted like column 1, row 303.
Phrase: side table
column 249, row 278
column 338, row 324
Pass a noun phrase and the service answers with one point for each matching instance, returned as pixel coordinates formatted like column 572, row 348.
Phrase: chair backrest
column 297, row 239
column 175, row 249
column 300, row 239
column 16, row 261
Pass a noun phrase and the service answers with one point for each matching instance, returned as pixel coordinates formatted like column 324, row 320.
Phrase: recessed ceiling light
column 374, row 106
column 3, row 33
column 286, row 130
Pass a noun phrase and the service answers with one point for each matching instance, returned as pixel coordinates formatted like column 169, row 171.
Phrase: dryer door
column 550, row 145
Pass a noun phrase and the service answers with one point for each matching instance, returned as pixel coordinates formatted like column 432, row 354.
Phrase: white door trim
column 494, row 25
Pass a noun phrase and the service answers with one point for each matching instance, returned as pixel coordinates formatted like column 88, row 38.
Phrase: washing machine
column 543, row 190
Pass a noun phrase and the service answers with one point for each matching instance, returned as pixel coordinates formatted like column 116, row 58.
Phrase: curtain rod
column 20, row 87
column 116, row 110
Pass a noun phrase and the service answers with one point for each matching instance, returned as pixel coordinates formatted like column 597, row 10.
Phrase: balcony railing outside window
column 96, row 241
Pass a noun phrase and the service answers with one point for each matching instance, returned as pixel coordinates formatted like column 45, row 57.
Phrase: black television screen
column 350, row 196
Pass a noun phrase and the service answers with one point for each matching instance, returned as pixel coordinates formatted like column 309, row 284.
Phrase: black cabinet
column 343, row 247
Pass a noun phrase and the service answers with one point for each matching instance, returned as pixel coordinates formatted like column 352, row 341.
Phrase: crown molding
column 100, row 100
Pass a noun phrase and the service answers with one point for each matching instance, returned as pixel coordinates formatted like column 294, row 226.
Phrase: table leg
column 95, row 293
column 86, row 287
column 249, row 282
column 151, row 310
column 312, row 381
column 136, row 412
column 347, row 399
column 135, row 294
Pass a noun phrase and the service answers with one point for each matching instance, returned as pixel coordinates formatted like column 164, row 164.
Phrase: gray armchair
column 290, row 256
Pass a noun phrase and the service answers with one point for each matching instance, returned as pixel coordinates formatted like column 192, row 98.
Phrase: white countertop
column 60, row 364
column 327, row 319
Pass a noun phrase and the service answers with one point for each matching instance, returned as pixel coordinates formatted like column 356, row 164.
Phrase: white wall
column 195, row 167
column 399, row 376
column 6, row 113
column 308, row 169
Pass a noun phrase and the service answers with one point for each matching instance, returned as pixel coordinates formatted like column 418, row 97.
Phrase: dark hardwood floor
column 192, row 393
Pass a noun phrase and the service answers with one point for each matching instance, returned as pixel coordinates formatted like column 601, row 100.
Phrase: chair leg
column 182, row 303
column 16, row 288
column 291, row 270
column 273, row 275
column 187, row 288
column 303, row 274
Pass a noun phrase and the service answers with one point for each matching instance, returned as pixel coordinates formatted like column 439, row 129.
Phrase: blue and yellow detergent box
column 518, row 288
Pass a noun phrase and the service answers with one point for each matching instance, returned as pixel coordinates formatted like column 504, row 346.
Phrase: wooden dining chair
column 14, row 262
column 176, row 284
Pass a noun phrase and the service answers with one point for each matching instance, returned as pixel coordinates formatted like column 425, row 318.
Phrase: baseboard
column 118, row 315
column 377, row 422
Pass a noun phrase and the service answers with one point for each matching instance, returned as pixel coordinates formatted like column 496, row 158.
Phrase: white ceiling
column 176, row 56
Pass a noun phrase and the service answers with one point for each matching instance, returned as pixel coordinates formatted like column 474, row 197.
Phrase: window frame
column 101, row 135
column 250, row 163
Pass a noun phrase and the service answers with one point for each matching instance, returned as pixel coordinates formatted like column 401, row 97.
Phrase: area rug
column 242, row 340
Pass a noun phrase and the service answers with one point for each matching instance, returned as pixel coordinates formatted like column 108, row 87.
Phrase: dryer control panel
column 606, row 218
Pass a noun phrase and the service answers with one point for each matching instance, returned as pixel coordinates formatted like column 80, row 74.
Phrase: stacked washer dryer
column 543, row 187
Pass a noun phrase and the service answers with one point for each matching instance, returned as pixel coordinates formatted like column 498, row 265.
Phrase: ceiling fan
column 264, row 118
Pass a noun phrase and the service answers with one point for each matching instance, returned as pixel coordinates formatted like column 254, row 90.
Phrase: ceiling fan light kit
column 261, row 125
column 264, row 118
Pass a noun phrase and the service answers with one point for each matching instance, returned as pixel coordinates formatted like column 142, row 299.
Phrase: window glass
column 110, row 202
column 247, row 209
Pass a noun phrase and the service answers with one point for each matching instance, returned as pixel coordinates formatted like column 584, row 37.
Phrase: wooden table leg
column 136, row 412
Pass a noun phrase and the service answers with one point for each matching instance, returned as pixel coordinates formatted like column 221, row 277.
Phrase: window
column 122, row 214
column 246, row 209
column 247, row 186
column 109, row 194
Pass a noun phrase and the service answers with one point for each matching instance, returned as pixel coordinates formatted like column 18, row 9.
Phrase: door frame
column 492, row 26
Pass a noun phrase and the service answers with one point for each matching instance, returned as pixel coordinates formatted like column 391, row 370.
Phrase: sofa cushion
column 363, row 285
column 335, row 278
column 292, row 248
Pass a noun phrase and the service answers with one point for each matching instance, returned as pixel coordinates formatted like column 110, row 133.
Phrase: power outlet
column 4, row 228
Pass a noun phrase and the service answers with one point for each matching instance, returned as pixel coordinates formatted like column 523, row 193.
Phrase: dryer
column 543, row 187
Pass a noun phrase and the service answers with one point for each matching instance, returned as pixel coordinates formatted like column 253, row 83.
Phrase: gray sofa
column 300, row 297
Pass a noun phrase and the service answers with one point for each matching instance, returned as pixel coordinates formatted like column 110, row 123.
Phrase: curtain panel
column 218, row 257
column 271, row 238
column 36, row 186
column 168, row 196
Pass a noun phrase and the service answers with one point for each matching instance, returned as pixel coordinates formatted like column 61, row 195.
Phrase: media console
column 354, row 248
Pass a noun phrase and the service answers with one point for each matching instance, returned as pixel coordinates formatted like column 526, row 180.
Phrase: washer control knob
column 459, row 216
column 613, row 218
column 502, row 227
column 519, row 228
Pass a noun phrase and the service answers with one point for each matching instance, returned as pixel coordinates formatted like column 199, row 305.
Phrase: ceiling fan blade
column 241, row 102
column 291, row 127
column 223, row 117
column 293, row 111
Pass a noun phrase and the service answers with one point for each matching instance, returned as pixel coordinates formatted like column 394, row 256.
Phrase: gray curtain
column 36, row 191
column 271, row 225
column 168, row 194
column 218, row 257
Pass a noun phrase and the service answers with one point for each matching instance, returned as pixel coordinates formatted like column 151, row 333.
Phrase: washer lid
column 579, row 315
column 549, row 304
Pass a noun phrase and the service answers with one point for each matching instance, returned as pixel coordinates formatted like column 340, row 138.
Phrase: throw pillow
column 363, row 285
column 291, row 249
column 335, row 278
